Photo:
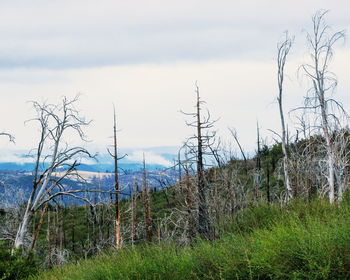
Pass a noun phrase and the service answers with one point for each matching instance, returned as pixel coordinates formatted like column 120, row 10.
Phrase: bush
column 299, row 241
column 16, row 266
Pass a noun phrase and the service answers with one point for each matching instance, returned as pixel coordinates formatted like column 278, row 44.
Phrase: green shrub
column 16, row 266
column 299, row 241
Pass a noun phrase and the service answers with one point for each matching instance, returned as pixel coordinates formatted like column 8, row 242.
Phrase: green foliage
column 311, row 243
column 299, row 241
column 16, row 266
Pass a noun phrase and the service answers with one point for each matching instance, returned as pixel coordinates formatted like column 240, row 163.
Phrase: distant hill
column 15, row 186
column 156, row 158
column 15, row 174
column 98, row 167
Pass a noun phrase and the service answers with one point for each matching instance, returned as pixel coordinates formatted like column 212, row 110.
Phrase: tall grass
column 299, row 241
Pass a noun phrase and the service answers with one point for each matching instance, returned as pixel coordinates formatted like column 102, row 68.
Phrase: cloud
column 78, row 34
column 150, row 158
column 22, row 157
column 229, row 48
column 148, row 99
column 15, row 157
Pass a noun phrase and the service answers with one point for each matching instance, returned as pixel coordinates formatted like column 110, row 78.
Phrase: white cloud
column 148, row 99
column 14, row 157
column 150, row 158
column 156, row 51
column 77, row 34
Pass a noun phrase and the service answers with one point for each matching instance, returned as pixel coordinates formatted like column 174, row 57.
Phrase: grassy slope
column 300, row 241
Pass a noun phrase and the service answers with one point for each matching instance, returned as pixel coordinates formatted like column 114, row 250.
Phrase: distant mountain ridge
column 156, row 158
column 16, row 173
column 98, row 167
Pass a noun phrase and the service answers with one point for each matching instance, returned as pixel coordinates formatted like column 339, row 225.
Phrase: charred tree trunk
column 203, row 217
column 133, row 214
column 41, row 221
column 258, row 164
column 190, row 207
column 48, row 240
column 117, row 189
column 73, row 237
column 147, row 200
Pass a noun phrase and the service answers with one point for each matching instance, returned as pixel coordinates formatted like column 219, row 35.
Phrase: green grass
column 300, row 241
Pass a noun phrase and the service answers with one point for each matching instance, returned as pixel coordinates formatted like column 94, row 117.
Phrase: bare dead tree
column 133, row 205
column 203, row 140
column 48, row 240
column 235, row 137
column 116, row 186
column 147, row 200
column 189, row 201
column 324, row 82
column 116, row 183
column 283, row 50
column 268, row 191
column 203, row 219
column 258, row 163
column 341, row 140
column 38, row 229
column 55, row 159
column 117, row 227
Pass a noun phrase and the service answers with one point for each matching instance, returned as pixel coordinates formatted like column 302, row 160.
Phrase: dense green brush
column 298, row 241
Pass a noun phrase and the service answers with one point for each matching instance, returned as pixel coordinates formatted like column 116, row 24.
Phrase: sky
column 146, row 56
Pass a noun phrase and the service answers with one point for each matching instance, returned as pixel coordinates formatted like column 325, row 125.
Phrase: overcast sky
column 145, row 56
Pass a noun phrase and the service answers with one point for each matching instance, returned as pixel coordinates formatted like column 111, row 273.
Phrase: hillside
column 255, row 235
column 299, row 241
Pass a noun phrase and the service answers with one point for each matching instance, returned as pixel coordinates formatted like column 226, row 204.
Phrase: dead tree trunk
column 117, row 189
column 283, row 50
column 324, row 81
column 189, row 204
column 268, row 191
column 234, row 134
column 258, row 164
column 133, row 214
column 198, row 145
column 203, row 216
column 48, row 240
column 147, row 200
column 41, row 221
